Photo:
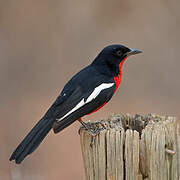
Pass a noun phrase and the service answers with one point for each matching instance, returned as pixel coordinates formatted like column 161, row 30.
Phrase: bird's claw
column 92, row 129
column 94, row 134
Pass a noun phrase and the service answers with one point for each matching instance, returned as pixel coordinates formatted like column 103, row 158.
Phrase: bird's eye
column 119, row 53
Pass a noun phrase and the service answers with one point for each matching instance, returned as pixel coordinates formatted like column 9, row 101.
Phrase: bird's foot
column 93, row 129
column 96, row 131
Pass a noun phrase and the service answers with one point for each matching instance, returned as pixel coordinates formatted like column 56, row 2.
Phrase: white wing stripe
column 80, row 104
column 92, row 96
column 97, row 90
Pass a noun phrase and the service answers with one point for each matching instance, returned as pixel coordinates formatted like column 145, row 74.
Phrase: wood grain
column 133, row 148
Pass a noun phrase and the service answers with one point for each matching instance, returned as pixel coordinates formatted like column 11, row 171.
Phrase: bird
column 85, row 93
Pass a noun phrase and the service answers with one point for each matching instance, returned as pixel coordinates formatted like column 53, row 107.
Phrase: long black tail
column 32, row 140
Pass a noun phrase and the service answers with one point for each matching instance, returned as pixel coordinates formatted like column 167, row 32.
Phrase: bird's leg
column 91, row 129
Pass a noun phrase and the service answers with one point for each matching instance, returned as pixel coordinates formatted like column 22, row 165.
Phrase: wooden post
column 133, row 148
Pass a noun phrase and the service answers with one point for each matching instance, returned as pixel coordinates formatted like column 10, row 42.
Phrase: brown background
column 44, row 42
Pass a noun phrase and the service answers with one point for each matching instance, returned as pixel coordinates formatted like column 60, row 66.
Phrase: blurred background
column 44, row 42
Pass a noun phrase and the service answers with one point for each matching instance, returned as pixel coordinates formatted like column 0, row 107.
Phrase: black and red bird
column 87, row 91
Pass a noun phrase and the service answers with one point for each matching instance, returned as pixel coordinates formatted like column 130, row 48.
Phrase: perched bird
column 87, row 91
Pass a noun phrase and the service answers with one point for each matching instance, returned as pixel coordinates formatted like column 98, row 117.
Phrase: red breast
column 117, row 79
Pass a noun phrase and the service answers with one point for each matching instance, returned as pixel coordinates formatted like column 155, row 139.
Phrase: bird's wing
column 80, row 87
column 80, row 103
column 66, row 101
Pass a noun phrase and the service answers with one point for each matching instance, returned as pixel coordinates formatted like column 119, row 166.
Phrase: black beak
column 133, row 51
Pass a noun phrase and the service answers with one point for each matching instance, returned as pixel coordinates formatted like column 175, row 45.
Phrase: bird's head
column 115, row 54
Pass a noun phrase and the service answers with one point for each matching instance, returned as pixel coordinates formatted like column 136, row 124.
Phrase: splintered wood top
column 137, row 122
column 133, row 148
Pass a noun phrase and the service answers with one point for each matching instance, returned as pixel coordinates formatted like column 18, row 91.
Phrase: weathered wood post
column 133, row 148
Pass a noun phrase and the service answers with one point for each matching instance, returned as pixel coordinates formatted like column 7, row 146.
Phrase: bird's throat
column 117, row 78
